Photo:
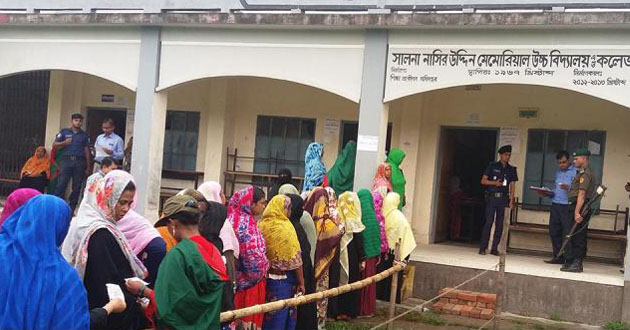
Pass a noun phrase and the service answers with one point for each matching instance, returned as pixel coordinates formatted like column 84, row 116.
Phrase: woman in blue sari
column 39, row 289
column 314, row 169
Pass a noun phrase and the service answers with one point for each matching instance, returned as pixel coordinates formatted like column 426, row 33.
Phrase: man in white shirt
column 108, row 144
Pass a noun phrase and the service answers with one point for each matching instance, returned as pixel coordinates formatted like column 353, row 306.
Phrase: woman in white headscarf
column 99, row 251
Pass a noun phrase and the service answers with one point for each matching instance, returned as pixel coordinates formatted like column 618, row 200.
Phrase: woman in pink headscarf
column 145, row 241
column 17, row 198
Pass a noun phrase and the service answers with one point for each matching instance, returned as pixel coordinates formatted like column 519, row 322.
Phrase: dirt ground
column 433, row 321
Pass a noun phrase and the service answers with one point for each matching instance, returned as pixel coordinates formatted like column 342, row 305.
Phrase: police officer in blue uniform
column 499, row 180
column 76, row 159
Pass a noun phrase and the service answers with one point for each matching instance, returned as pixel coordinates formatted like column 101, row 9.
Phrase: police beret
column 581, row 152
column 506, row 148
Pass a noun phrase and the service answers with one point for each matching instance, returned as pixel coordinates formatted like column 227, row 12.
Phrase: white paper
column 100, row 152
column 367, row 143
column 594, row 147
column 511, row 136
column 331, row 130
column 544, row 189
column 114, row 292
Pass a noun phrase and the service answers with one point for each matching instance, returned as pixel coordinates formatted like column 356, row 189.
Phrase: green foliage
column 617, row 326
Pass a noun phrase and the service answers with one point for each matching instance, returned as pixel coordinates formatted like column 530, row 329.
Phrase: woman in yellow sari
column 283, row 251
column 346, row 306
column 398, row 230
column 328, row 238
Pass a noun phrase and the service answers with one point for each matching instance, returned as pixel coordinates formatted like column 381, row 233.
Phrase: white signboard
column 367, row 143
column 511, row 136
column 600, row 72
column 331, row 129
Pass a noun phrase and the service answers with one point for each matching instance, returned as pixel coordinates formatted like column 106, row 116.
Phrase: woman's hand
column 134, row 287
column 301, row 288
column 115, row 306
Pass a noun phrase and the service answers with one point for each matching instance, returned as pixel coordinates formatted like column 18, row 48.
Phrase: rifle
column 586, row 210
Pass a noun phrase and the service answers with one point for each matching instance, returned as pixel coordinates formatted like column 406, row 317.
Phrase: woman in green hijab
column 395, row 158
column 341, row 175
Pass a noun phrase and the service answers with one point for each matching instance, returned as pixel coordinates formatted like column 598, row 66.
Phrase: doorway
column 463, row 156
column 95, row 117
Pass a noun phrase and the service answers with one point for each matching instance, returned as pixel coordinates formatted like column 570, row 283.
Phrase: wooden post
column 394, row 288
column 501, row 275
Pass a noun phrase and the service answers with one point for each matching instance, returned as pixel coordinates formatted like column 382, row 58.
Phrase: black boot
column 555, row 261
column 567, row 264
column 575, row 267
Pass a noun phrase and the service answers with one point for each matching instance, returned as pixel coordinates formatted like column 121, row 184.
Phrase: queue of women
column 205, row 254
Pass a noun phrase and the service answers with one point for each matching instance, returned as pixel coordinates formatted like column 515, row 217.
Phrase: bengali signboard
column 600, row 72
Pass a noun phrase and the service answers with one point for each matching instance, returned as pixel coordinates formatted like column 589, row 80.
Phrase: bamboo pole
column 393, row 290
column 292, row 302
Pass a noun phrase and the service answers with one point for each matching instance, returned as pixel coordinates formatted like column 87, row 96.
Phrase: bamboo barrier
column 292, row 302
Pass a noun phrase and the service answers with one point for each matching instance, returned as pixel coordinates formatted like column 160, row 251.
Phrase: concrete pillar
column 215, row 131
column 55, row 101
column 149, row 125
column 373, row 113
column 625, row 307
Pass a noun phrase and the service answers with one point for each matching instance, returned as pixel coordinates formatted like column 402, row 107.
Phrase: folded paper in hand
column 543, row 189
column 114, row 292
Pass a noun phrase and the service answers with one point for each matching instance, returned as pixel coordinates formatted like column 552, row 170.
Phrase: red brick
column 457, row 309
column 475, row 313
column 453, row 301
column 491, row 306
column 448, row 308
column 487, row 298
column 466, row 310
column 467, row 296
column 480, row 305
column 487, row 314
column 471, row 303
column 451, row 294
column 444, row 300
column 437, row 307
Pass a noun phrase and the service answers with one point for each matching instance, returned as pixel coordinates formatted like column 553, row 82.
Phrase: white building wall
column 329, row 60
column 110, row 53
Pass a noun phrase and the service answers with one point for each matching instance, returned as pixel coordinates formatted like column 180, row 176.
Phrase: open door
column 463, row 156
column 445, row 161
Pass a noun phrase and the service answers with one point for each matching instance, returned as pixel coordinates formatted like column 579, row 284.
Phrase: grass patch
column 617, row 326
column 340, row 325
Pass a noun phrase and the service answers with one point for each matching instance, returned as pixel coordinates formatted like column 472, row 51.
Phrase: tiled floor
column 467, row 256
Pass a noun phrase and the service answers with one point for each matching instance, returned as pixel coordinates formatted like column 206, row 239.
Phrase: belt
column 497, row 194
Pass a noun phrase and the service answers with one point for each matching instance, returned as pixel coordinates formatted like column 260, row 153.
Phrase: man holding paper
column 559, row 216
column 108, row 144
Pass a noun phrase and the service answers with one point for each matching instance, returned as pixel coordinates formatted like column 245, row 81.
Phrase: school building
column 232, row 91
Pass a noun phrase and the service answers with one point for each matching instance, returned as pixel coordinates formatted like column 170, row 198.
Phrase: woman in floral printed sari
column 328, row 238
column 253, row 265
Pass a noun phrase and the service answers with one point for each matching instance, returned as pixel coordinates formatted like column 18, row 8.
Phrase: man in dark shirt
column 499, row 178
column 581, row 191
column 76, row 159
